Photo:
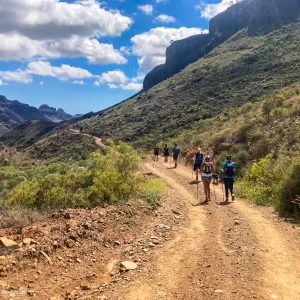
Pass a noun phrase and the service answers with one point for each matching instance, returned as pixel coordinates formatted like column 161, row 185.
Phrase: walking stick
column 223, row 190
column 197, row 190
column 215, row 193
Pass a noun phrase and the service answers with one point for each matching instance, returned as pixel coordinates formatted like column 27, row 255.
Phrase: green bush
column 105, row 179
column 289, row 188
column 152, row 191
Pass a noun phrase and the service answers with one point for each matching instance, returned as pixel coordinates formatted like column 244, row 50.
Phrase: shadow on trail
column 201, row 203
column 224, row 203
column 172, row 168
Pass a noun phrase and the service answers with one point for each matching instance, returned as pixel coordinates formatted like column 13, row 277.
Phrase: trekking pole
column 215, row 193
column 223, row 190
column 197, row 190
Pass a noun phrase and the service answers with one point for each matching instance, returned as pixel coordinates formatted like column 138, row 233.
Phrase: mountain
column 260, row 17
column 13, row 113
column 54, row 115
column 240, row 70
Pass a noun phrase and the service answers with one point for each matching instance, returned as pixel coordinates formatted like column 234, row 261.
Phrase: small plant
column 152, row 191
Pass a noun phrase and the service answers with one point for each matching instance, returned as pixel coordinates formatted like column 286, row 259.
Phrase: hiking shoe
column 232, row 197
column 226, row 200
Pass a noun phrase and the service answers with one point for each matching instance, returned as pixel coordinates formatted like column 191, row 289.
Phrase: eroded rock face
column 259, row 16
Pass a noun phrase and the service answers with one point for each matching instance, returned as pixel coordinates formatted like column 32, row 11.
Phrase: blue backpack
column 229, row 170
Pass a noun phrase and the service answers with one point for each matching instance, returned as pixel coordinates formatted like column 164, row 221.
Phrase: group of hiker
column 204, row 166
column 166, row 154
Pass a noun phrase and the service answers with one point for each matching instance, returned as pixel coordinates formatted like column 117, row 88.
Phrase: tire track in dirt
column 210, row 258
column 278, row 254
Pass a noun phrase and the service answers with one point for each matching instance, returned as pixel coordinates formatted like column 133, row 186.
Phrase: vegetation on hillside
column 240, row 70
column 29, row 185
column 264, row 140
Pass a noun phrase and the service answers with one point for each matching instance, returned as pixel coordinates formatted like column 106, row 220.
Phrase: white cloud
column 148, row 63
column 165, row 19
column 209, row 11
column 131, row 86
column 18, row 76
column 146, row 9
column 117, row 79
column 55, row 19
column 17, row 47
column 161, row 1
column 126, row 50
column 112, row 86
column 151, row 46
column 53, row 29
column 115, row 76
column 42, row 68
column 2, row 83
column 79, row 82
column 64, row 72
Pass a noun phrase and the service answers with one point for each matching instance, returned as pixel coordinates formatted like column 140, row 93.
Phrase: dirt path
column 230, row 251
column 98, row 141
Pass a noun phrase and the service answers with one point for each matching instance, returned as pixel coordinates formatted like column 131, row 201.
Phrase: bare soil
column 183, row 250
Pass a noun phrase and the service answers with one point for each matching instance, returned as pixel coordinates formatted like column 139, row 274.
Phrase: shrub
column 152, row 191
column 242, row 134
column 289, row 188
column 107, row 178
column 261, row 148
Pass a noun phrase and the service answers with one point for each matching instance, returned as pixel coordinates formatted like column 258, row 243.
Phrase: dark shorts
column 156, row 153
column 175, row 157
column 197, row 165
column 166, row 154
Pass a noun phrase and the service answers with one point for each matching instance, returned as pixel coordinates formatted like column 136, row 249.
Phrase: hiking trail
column 233, row 251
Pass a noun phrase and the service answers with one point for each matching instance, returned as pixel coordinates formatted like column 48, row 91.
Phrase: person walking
column 176, row 152
column 207, row 170
column 198, row 162
column 156, row 153
column 228, row 178
column 166, row 153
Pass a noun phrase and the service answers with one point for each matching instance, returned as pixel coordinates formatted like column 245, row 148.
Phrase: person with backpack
column 228, row 178
column 176, row 152
column 198, row 162
column 207, row 170
column 156, row 153
column 166, row 153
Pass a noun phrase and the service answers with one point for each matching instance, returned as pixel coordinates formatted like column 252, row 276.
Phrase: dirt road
column 233, row 251
column 98, row 141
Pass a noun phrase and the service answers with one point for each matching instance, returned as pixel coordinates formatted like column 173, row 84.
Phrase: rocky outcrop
column 54, row 115
column 259, row 16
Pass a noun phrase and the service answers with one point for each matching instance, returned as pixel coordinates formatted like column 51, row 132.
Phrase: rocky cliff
column 54, row 115
column 259, row 16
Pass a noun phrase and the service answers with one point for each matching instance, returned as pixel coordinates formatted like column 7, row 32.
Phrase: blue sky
column 87, row 55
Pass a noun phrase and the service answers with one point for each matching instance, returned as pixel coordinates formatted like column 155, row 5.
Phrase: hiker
column 166, row 153
column 198, row 162
column 207, row 170
column 228, row 178
column 176, row 152
column 156, row 153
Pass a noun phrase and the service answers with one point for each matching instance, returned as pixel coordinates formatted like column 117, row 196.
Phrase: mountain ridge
column 260, row 17
column 13, row 113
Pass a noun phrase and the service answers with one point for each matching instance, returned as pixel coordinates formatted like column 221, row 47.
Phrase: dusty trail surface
column 183, row 250
column 233, row 251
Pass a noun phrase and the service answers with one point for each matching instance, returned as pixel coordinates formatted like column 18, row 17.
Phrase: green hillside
column 240, row 70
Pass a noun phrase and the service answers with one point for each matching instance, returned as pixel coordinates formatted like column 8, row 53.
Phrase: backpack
column 207, row 168
column 176, row 150
column 229, row 170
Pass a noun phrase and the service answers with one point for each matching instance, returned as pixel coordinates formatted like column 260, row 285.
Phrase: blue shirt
column 199, row 156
